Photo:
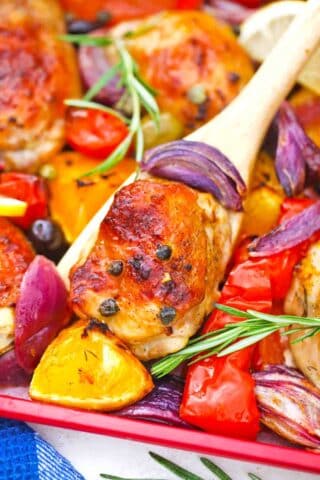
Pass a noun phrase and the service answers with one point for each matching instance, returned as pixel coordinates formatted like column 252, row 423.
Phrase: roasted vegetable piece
column 37, row 72
column 42, row 311
column 161, row 405
column 94, row 132
column 171, row 265
column 15, row 255
column 83, row 197
column 124, row 9
column 196, row 72
column 289, row 404
column 87, row 367
column 29, row 188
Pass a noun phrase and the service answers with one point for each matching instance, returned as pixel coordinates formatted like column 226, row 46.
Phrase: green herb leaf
column 84, row 39
column 174, row 468
column 215, row 469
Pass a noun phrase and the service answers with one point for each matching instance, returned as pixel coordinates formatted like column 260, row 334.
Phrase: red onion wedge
column 295, row 152
column 289, row 234
column 199, row 166
column 11, row 374
column 161, row 405
column 42, row 311
column 289, row 404
column 290, row 162
column 93, row 63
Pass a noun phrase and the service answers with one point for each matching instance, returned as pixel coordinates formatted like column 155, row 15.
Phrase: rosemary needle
column 174, row 468
column 215, row 469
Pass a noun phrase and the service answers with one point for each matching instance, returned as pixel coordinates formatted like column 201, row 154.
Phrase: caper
column 164, row 252
column 109, row 307
column 116, row 268
column 167, row 315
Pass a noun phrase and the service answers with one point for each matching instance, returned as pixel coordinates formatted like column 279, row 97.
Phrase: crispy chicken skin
column 189, row 50
column 154, row 270
column 37, row 72
column 15, row 255
column 303, row 299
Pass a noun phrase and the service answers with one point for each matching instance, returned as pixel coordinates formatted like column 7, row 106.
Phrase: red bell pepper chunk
column 29, row 188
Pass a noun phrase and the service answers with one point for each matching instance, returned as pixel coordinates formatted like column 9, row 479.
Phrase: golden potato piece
column 88, row 367
column 261, row 211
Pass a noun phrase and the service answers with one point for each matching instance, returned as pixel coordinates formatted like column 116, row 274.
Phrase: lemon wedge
column 11, row 207
column 261, row 31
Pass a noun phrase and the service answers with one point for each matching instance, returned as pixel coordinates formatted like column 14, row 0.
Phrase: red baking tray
column 13, row 406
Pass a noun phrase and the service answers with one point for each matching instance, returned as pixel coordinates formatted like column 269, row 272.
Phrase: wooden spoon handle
column 239, row 130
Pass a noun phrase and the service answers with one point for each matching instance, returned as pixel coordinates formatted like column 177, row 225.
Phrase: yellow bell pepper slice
column 11, row 207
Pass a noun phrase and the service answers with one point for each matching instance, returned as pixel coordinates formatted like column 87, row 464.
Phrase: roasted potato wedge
column 88, row 367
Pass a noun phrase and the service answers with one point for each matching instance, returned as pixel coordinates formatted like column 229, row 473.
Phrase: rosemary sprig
column 182, row 472
column 139, row 92
column 236, row 336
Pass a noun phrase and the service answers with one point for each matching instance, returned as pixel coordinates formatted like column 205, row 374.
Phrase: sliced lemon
column 261, row 31
column 11, row 207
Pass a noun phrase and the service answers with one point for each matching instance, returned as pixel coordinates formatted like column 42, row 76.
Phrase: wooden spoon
column 239, row 129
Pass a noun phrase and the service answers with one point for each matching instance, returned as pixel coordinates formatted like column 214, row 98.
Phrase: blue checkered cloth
column 24, row 455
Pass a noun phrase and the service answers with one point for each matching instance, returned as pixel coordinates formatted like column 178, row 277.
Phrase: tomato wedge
column 94, row 132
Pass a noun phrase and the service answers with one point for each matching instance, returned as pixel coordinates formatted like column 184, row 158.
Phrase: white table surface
column 93, row 454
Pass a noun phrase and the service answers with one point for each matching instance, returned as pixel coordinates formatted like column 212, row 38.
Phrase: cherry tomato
column 124, row 9
column 94, row 132
column 30, row 189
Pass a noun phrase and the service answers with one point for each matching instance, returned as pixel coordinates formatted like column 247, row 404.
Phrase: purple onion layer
column 161, row 405
column 200, row 166
column 289, row 404
column 289, row 234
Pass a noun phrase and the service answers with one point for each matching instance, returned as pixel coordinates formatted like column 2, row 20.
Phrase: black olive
column 116, row 268
column 48, row 238
column 164, row 252
column 167, row 315
column 109, row 307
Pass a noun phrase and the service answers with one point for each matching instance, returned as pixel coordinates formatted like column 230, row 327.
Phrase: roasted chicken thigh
column 153, row 272
column 37, row 72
